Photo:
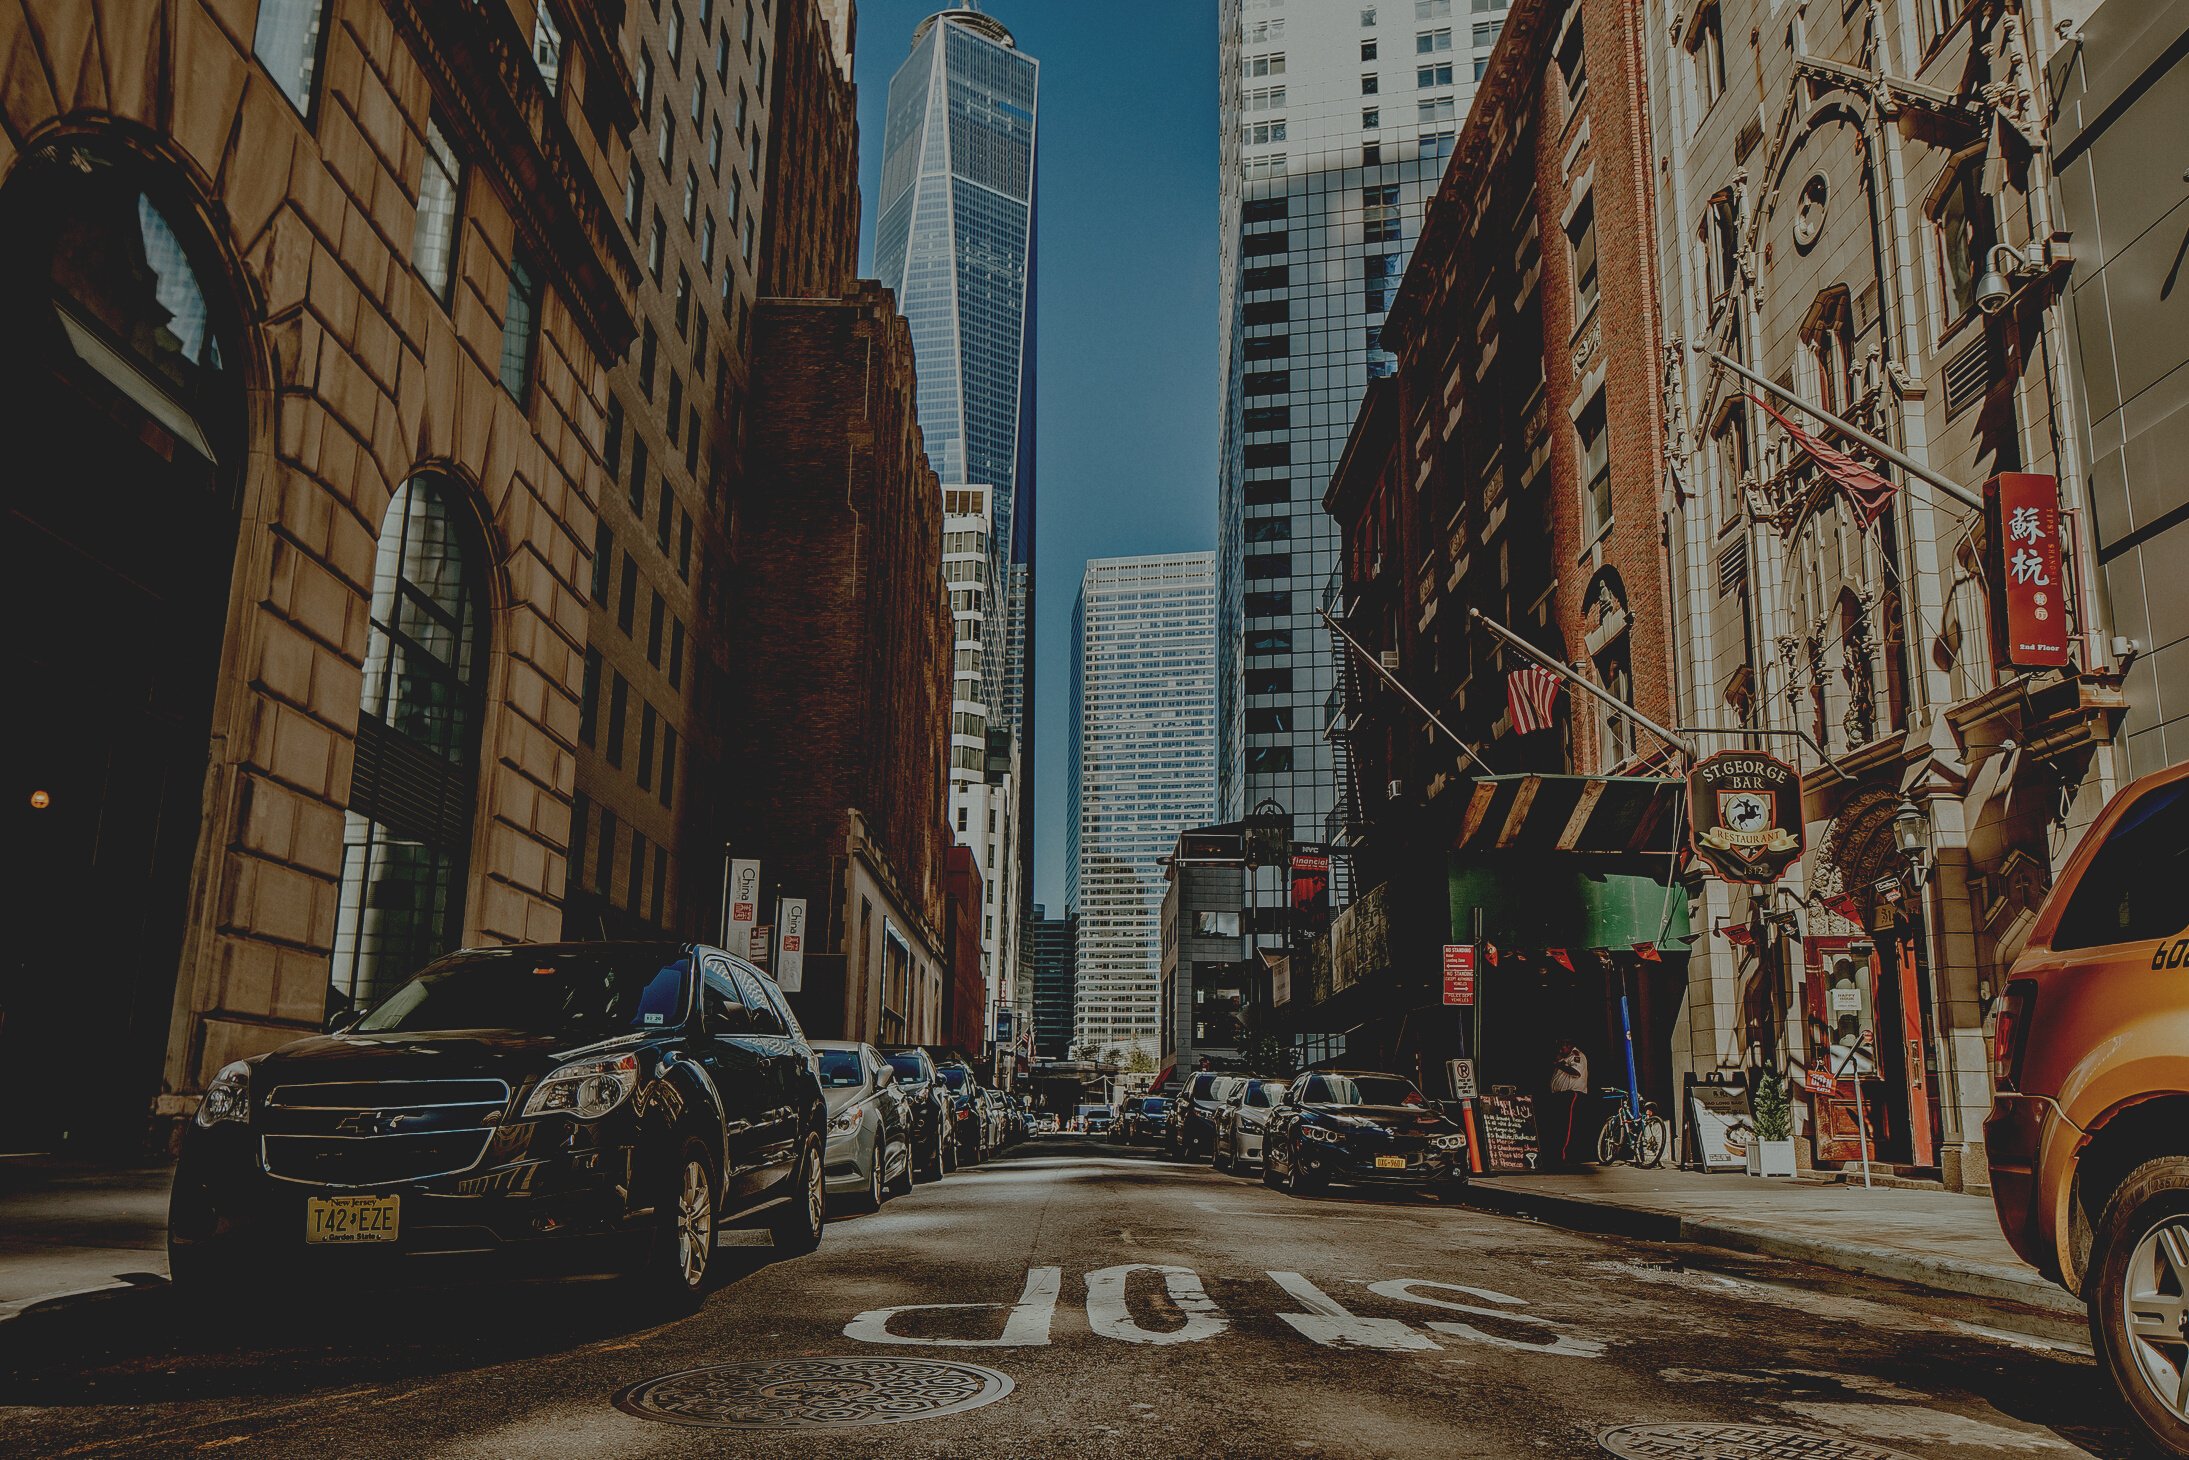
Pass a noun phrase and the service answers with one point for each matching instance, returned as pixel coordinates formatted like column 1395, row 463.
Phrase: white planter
column 1770, row 1158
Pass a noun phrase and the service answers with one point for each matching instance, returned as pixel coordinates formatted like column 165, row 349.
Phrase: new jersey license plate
column 1390, row 1163
column 340, row 1219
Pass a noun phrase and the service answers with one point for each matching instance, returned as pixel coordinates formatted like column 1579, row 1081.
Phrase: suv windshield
column 839, row 1067
column 1361, row 1090
column 576, row 991
column 907, row 1066
column 1201, row 1086
column 1264, row 1093
column 954, row 1077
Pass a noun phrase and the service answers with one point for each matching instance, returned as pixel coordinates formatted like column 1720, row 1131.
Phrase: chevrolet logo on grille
column 376, row 1122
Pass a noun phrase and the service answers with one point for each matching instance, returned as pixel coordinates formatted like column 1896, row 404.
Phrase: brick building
column 320, row 293
column 809, row 246
column 645, row 843
column 965, row 988
column 842, row 669
column 1512, row 466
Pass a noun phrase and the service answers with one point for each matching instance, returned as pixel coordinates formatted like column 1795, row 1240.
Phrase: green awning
column 1537, row 900
column 1616, row 818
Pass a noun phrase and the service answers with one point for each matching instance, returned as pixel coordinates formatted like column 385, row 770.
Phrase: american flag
column 1529, row 695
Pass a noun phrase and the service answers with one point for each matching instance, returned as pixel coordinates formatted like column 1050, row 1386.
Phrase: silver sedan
column 1239, row 1124
column 869, row 1135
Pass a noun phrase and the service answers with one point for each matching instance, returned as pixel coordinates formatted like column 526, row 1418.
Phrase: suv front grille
column 370, row 1133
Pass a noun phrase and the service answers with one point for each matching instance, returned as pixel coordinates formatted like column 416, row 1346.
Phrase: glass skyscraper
column 1337, row 123
column 954, row 238
column 1143, row 768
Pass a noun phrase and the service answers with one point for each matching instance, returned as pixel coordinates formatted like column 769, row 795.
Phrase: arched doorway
column 122, row 412
column 406, row 836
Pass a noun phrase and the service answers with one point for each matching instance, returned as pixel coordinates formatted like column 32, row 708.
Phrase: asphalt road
column 1151, row 1308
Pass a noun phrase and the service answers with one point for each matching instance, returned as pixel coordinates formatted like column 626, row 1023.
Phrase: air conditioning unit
column 1389, row 659
column 1392, row 790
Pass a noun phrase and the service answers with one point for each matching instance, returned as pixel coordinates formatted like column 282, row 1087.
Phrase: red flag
column 1490, row 952
column 1648, row 953
column 1867, row 492
column 1530, row 693
column 1845, row 906
column 1560, row 957
column 1737, row 934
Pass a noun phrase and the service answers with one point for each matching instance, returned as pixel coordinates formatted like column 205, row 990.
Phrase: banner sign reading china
column 1744, row 814
column 2029, row 592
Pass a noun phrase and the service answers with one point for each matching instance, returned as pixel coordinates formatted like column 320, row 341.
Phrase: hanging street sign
column 2029, row 592
column 741, row 903
column 790, row 963
column 1744, row 815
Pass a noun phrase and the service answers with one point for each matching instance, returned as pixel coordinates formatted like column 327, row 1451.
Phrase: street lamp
column 1912, row 835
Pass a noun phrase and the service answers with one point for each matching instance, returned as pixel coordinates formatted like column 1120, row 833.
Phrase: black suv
column 1362, row 1127
column 1190, row 1123
column 622, row 1100
column 933, row 1150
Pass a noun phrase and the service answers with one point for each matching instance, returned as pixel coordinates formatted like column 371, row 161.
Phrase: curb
column 1969, row 1279
column 133, row 1282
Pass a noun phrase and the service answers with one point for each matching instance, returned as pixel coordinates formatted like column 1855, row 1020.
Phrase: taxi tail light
column 2010, row 1034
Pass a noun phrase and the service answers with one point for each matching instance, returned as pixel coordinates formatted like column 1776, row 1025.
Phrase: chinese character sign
column 741, row 906
column 790, row 963
column 2029, row 592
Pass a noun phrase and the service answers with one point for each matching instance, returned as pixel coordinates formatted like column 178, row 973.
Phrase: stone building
column 1510, row 466
column 842, row 669
column 1207, row 980
column 311, row 303
column 1857, row 210
column 645, row 848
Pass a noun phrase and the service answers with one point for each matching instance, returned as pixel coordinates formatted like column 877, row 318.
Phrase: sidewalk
column 76, row 1226
column 1936, row 1239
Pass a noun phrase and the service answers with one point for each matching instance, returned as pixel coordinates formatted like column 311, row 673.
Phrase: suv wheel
column 798, row 1222
column 2138, row 1291
column 677, row 1254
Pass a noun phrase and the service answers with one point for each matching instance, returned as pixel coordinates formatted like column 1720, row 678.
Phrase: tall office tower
column 954, row 238
column 1054, row 952
column 1143, row 768
column 981, row 791
column 1337, row 121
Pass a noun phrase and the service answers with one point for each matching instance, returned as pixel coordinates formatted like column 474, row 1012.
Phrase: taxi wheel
column 2138, row 1293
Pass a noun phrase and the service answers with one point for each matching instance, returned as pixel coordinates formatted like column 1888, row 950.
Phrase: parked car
column 1152, row 1118
column 1097, row 1122
column 995, row 1118
column 605, row 1104
column 2088, row 1137
column 933, row 1151
column 967, row 1119
column 1245, row 1116
column 869, row 1123
column 1191, row 1125
column 1362, row 1127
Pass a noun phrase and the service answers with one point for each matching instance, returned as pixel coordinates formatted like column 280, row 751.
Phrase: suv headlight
column 587, row 1088
column 228, row 1097
column 1322, row 1133
column 846, row 1119
column 1453, row 1142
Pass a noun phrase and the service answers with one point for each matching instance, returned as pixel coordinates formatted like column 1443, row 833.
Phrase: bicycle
column 1637, row 1139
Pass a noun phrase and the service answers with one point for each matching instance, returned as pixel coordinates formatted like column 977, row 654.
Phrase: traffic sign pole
column 1862, row 1121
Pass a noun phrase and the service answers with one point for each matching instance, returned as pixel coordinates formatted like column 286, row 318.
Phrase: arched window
column 407, row 834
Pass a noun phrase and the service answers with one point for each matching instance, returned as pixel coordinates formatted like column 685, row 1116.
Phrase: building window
column 665, row 139
column 1706, row 46
column 722, row 56
column 589, row 702
column 1595, row 441
column 654, row 627
column 1370, row 84
column 1268, row 418
column 1581, row 236
column 675, row 36
column 1368, row 50
column 1963, row 234
column 1436, row 109
column 1371, row 118
column 706, row 243
column 636, row 494
column 619, row 710
column 1937, row 19
column 714, row 147
column 647, row 720
column 649, row 345
column 683, row 305
column 676, row 654
column 1430, row 42
column 1269, row 529
column 1269, row 565
column 1268, row 382
column 407, row 831
column 645, row 82
column 656, row 247
column 691, row 197
column 627, row 600
column 684, row 541
column 1439, row 74
column 520, row 328
column 1722, row 243
column 1268, row 760
column 1573, row 63
column 1733, row 456
column 288, row 44
column 1269, row 681
column 604, row 552
column 1380, row 214
column 1829, row 333
column 668, row 775
column 433, row 236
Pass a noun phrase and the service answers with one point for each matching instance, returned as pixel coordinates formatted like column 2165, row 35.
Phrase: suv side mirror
column 342, row 1019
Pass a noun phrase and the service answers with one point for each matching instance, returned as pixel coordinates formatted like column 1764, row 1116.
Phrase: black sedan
column 1367, row 1128
column 934, row 1151
column 610, row 1104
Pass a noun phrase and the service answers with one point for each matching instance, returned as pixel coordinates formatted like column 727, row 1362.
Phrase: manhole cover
column 780, row 1394
column 1734, row 1442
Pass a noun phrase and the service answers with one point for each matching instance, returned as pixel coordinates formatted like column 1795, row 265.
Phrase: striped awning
column 1599, row 816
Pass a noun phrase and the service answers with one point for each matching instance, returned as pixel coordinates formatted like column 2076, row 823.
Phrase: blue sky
column 1127, row 270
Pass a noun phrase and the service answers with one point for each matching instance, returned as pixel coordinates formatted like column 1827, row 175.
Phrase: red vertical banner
column 1911, row 1034
column 2029, row 591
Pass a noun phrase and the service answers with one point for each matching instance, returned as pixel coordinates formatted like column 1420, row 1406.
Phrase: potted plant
column 1771, row 1149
